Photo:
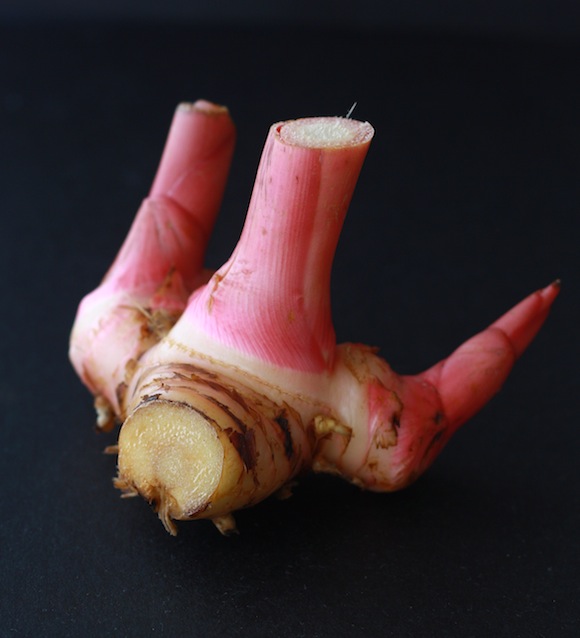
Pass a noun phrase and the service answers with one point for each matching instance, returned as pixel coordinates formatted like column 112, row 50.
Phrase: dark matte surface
column 539, row 17
column 468, row 201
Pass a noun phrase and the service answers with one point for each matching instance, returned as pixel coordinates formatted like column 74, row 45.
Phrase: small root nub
column 226, row 525
column 127, row 490
column 105, row 414
column 326, row 425
column 163, row 506
column 286, row 490
column 111, row 449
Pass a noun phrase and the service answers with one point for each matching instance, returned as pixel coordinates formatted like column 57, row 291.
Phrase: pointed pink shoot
column 471, row 375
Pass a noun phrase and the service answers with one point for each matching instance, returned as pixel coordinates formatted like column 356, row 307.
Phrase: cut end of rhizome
column 172, row 456
column 203, row 106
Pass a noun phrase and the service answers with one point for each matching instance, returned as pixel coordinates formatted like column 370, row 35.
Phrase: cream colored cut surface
column 171, row 454
column 325, row 132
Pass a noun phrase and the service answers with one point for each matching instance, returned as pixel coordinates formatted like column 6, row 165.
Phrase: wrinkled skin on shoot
column 230, row 385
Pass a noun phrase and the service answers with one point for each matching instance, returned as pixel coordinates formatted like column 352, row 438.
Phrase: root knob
column 172, row 456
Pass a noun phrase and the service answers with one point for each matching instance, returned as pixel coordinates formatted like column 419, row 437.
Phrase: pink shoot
column 278, row 277
column 229, row 389
column 160, row 262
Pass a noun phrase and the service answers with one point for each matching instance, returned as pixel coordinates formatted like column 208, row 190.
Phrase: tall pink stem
column 271, row 300
column 172, row 228
column 161, row 260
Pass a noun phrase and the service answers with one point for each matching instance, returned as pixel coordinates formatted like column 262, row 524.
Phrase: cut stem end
column 325, row 132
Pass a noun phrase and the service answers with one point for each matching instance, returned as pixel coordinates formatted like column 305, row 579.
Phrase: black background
column 468, row 201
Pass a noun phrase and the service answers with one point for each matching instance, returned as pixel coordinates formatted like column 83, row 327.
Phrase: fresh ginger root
column 229, row 386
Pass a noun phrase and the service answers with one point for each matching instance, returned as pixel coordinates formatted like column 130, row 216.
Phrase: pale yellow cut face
column 172, row 455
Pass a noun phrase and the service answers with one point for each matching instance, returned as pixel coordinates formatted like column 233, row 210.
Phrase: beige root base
column 197, row 444
column 172, row 456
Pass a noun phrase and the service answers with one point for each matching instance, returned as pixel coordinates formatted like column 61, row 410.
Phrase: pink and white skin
column 252, row 351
